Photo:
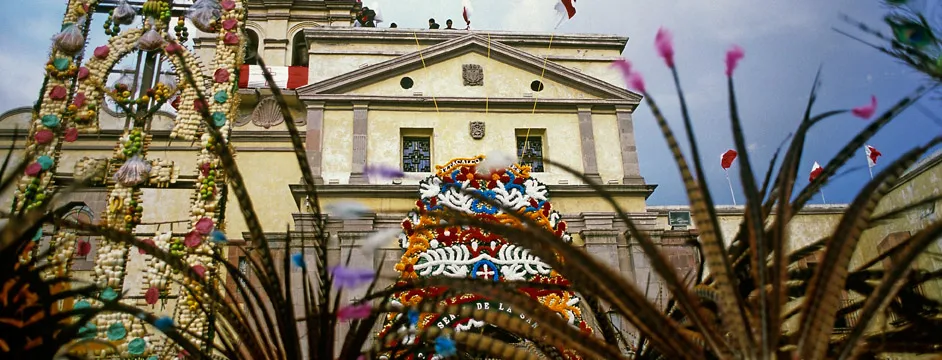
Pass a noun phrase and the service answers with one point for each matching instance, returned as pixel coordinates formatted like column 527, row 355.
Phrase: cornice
column 516, row 38
column 412, row 191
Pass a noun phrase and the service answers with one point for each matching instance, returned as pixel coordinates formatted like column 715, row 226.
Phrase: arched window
column 251, row 48
column 299, row 53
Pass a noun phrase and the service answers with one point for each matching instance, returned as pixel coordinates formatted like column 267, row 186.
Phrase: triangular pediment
column 439, row 71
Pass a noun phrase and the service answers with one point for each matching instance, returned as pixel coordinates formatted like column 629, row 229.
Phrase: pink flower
column 79, row 100
column 204, row 226
column 354, row 312
column 82, row 248
column 83, row 73
column 733, row 56
column 636, row 82
column 221, row 75
column 146, row 241
column 33, row 169
column 664, row 42
column 230, row 24
column 866, row 111
column 102, row 52
column 231, row 39
column 228, row 5
column 71, row 134
column 43, row 137
column 152, row 295
column 199, row 270
column 58, row 93
column 173, row 48
column 192, row 239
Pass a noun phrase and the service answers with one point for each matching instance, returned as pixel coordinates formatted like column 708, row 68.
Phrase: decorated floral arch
column 467, row 252
column 71, row 98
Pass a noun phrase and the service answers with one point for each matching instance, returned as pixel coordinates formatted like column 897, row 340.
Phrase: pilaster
column 590, row 163
column 601, row 238
column 315, row 140
column 360, row 143
column 629, row 148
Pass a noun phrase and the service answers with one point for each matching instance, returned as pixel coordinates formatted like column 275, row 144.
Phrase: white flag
column 872, row 155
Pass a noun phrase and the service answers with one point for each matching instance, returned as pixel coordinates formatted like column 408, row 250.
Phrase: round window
column 536, row 86
column 406, row 83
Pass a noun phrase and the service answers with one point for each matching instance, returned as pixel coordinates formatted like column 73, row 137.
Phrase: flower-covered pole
column 206, row 213
column 50, row 118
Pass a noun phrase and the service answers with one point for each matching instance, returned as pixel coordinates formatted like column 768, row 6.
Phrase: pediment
column 440, row 71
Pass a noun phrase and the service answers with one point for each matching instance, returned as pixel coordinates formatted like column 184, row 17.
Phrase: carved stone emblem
column 267, row 114
column 473, row 74
column 477, row 130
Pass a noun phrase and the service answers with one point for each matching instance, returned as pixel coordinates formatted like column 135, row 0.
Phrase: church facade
column 412, row 99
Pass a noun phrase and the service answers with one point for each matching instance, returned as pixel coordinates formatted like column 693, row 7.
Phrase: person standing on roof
column 448, row 24
column 432, row 25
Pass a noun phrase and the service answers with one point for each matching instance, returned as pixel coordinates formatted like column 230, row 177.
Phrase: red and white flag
column 726, row 160
column 566, row 10
column 815, row 171
column 872, row 155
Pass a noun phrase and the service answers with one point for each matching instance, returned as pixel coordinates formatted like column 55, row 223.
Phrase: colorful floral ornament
column 44, row 161
column 50, row 121
column 61, row 63
column 193, row 239
column 43, row 137
column 33, row 169
column 205, row 226
column 83, row 73
column 58, row 92
column 221, row 76
column 108, row 294
column 137, row 346
column 219, row 118
column 117, row 332
column 102, row 52
column 71, row 134
column 221, row 96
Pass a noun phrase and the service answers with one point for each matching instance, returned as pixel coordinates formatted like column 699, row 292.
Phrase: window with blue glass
column 417, row 154
column 530, row 152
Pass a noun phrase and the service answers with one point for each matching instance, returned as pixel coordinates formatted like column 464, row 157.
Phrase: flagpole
column 731, row 193
column 823, row 200
column 871, row 170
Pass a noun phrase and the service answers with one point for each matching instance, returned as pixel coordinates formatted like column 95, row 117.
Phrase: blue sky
column 785, row 43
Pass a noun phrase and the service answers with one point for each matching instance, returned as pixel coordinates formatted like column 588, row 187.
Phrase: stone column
column 315, row 140
column 276, row 51
column 629, row 149
column 601, row 238
column 590, row 164
column 360, row 142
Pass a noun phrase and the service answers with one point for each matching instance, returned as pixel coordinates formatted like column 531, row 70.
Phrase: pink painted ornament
column 205, row 226
column 200, row 270
column 83, row 73
column 148, row 242
column 173, row 48
column 231, row 39
column 58, row 93
column 79, row 100
column 228, row 5
column 192, row 239
column 34, row 169
column 152, row 295
column 71, row 134
column 230, row 24
column 221, row 76
column 102, row 52
column 43, row 137
column 82, row 248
